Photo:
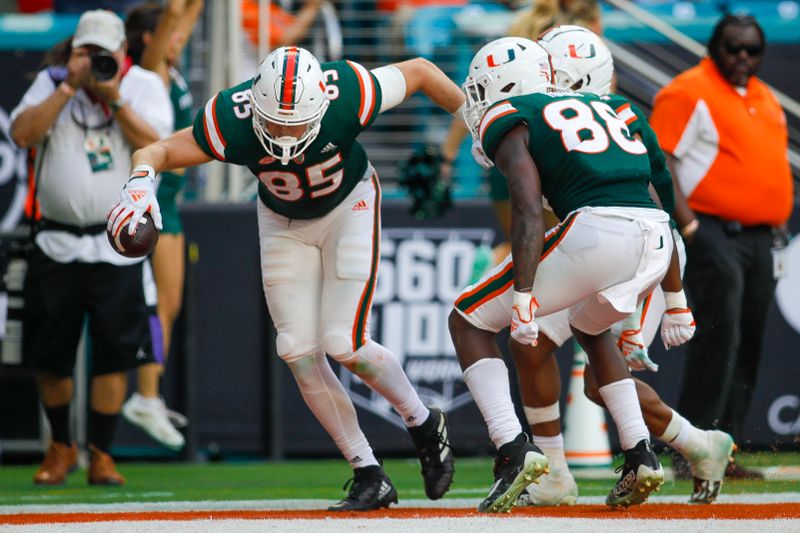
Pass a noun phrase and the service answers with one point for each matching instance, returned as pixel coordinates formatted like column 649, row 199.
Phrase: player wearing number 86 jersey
column 583, row 151
column 294, row 125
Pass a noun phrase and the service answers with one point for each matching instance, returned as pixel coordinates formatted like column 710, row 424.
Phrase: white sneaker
column 708, row 465
column 557, row 488
column 151, row 416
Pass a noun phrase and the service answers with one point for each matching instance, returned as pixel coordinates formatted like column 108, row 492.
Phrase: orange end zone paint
column 653, row 511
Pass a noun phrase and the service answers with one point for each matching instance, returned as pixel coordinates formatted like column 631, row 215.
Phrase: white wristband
column 149, row 171
column 675, row 300
column 522, row 300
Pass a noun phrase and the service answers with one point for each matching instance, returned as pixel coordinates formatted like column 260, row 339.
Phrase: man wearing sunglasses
column 725, row 138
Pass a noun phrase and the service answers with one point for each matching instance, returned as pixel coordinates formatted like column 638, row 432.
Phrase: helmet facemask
column 477, row 103
column 285, row 148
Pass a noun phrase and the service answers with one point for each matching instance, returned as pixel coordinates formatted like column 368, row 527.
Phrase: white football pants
column 319, row 275
column 556, row 326
column 599, row 263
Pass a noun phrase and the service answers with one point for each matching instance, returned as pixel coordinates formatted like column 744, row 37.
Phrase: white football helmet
column 288, row 89
column 581, row 61
column 506, row 67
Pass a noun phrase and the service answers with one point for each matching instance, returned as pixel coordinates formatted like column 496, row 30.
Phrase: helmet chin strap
column 286, row 155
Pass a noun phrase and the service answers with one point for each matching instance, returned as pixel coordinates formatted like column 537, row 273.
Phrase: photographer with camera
column 83, row 116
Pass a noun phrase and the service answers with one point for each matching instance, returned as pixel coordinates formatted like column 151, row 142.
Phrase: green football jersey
column 584, row 152
column 660, row 176
column 315, row 182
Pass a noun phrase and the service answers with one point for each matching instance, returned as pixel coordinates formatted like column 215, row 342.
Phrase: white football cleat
column 151, row 416
column 708, row 465
column 557, row 488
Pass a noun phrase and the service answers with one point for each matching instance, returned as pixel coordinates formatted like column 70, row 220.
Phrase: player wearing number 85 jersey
column 294, row 125
column 612, row 248
column 311, row 178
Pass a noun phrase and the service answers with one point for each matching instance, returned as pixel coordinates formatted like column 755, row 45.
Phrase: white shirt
column 69, row 191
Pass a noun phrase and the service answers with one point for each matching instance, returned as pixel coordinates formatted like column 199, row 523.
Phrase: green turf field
column 317, row 479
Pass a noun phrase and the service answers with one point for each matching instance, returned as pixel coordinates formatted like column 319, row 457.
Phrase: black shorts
column 58, row 299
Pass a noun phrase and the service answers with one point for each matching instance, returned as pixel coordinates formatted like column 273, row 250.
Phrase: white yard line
column 449, row 503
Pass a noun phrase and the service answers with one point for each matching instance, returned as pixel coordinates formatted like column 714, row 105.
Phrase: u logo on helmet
column 573, row 52
column 493, row 63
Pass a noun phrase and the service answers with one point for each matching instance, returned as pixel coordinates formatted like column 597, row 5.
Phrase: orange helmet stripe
column 290, row 67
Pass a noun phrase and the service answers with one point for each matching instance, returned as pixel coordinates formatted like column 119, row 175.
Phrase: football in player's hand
column 141, row 243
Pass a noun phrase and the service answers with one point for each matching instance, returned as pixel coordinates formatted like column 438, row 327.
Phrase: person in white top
column 84, row 120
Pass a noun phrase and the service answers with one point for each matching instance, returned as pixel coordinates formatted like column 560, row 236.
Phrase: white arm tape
column 540, row 415
column 675, row 300
column 393, row 86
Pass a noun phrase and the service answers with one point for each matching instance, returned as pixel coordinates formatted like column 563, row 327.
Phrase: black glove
column 421, row 176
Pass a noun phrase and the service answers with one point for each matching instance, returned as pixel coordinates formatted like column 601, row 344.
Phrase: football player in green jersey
column 612, row 248
column 582, row 62
column 294, row 125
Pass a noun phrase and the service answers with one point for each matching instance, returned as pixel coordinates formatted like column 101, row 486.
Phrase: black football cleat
column 370, row 488
column 519, row 463
column 641, row 475
column 435, row 455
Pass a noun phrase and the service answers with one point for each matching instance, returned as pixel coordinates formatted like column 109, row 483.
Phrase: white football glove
column 479, row 156
column 137, row 198
column 677, row 324
column 631, row 344
column 677, row 327
column 524, row 328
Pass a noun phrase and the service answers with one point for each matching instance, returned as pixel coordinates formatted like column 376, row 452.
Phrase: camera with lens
column 103, row 65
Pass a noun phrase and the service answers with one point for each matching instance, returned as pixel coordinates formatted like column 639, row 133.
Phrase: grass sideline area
column 311, row 479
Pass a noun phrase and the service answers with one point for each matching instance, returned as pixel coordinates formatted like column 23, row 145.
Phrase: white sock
column 150, row 403
column 553, row 448
column 382, row 372
column 682, row 435
column 623, row 404
column 488, row 382
column 327, row 399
